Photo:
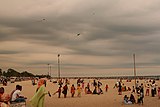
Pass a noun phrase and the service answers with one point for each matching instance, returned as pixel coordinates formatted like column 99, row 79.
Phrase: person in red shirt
column 73, row 90
column 106, row 87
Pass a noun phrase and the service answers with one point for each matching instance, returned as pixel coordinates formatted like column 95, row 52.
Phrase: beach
column 107, row 99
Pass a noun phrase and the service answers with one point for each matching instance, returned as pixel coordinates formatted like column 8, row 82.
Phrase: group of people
column 15, row 96
column 72, row 90
column 80, row 86
column 139, row 91
column 38, row 99
column 129, row 100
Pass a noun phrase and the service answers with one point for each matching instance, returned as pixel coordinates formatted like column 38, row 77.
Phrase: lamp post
column 50, row 71
column 48, row 68
column 58, row 66
column 134, row 59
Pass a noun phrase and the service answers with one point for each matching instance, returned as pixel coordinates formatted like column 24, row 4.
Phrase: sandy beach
column 107, row 99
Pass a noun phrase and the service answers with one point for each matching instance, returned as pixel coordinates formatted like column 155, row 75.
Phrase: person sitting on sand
column 4, row 98
column 99, row 91
column 38, row 99
column 87, row 90
column 126, row 100
column 132, row 99
column 129, row 89
column 16, row 95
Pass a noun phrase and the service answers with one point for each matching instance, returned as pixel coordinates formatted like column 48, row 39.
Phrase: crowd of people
column 150, row 86
column 76, row 89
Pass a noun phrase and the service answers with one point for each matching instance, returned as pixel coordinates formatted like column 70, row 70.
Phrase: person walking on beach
column 147, row 89
column 38, row 99
column 94, row 83
column 137, row 87
column 106, row 87
column 133, row 89
column 65, row 89
column 58, row 91
column 79, row 89
column 120, row 88
column 153, row 86
column 73, row 90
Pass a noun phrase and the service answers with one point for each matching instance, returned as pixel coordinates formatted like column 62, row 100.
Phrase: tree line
column 13, row 73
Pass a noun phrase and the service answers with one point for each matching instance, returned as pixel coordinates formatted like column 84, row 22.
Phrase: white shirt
column 15, row 95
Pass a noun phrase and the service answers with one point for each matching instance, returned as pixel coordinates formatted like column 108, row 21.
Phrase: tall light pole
column 50, row 71
column 134, row 59
column 58, row 66
column 48, row 68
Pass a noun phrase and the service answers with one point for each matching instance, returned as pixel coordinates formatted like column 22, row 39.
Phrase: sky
column 93, row 37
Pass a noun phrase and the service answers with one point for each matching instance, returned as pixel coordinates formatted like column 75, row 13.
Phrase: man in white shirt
column 16, row 95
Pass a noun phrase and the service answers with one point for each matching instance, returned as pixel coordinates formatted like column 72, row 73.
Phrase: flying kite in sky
column 78, row 34
column 41, row 20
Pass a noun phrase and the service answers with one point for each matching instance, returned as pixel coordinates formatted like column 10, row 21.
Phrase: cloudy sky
column 34, row 32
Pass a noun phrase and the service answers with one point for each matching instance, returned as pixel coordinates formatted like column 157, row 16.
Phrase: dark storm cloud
column 107, row 28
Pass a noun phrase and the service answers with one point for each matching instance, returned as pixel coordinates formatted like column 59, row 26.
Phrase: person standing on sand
column 137, row 87
column 58, row 91
column 79, row 90
column 65, row 89
column 73, row 90
column 38, row 99
column 153, row 88
column 106, row 87
column 120, row 88
column 147, row 89
column 158, row 92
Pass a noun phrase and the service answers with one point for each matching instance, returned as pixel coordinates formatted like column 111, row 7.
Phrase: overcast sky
column 34, row 32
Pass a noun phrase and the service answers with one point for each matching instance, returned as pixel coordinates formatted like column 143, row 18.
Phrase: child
column 106, row 87
column 58, row 91
column 72, row 90
column 158, row 92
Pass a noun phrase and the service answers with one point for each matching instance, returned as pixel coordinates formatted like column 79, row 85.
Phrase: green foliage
column 26, row 74
column 13, row 73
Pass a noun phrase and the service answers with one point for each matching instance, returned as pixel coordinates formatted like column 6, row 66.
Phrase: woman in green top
column 38, row 99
